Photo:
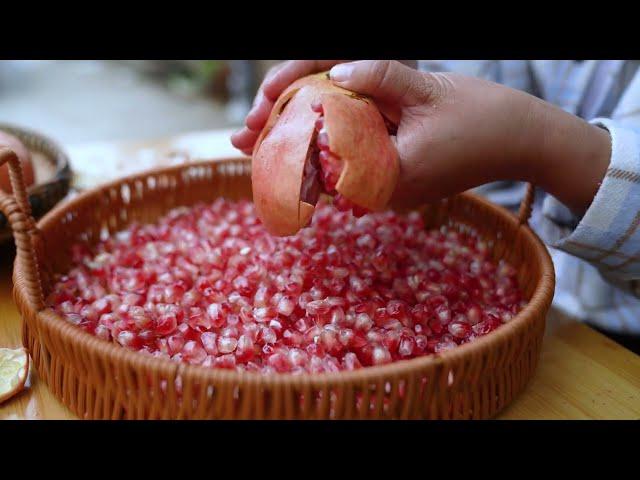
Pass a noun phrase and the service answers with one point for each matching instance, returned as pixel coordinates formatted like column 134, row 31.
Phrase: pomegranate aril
column 317, row 107
column 245, row 349
column 231, row 332
column 227, row 344
column 292, row 338
column 380, row 356
column 298, row 357
column 280, row 362
column 102, row 332
column 267, row 335
column 459, row 330
column 192, row 352
column 128, row 339
column 323, row 140
column 263, row 314
column 207, row 285
column 286, row 306
column 175, row 343
column 166, row 324
column 225, row 361
column 443, row 346
column 363, row 322
column 350, row 361
column 316, row 307
column 406, row 347
column 443, row 314
column 275, row 325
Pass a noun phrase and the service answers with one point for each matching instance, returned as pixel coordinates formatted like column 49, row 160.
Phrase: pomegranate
column 321, row 138
column 24, row 155
column 208, row 285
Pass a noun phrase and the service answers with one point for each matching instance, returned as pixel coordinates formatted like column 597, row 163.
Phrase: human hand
column 459, row 132
column 277, row 79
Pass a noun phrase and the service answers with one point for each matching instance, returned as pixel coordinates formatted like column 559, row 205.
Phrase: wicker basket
column 100, row 380
column 42, row 196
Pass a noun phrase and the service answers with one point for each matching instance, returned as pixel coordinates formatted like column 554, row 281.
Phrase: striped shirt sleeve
column 608, row 235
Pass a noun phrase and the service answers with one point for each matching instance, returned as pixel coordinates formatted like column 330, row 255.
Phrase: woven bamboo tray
column 100, row 380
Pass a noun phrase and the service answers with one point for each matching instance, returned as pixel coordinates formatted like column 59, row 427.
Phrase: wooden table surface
column 581, row 375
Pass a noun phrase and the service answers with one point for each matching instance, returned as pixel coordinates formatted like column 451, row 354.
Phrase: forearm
column 565, row 155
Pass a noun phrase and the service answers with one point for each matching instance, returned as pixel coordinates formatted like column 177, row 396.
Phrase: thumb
column 387, row 81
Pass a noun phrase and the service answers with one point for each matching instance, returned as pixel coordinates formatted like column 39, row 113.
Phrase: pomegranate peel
column 14, row 367
column 311, row 116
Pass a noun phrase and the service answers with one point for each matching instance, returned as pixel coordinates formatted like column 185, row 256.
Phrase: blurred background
column 87, row 101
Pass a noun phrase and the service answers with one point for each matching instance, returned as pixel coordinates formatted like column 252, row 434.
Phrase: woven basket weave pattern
column 97, row 379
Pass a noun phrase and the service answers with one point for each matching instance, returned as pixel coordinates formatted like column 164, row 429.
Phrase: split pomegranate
column 208, row 285
column 321, row 138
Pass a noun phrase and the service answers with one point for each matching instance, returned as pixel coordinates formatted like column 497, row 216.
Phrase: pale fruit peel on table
column 14, row 367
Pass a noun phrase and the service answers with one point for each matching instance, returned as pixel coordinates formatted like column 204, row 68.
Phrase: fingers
column 275, row 82
column 386, row 80
column 259, row 114
column 292, row 71
column 244, row 139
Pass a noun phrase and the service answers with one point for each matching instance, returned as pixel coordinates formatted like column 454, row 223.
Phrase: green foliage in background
column 196, row 76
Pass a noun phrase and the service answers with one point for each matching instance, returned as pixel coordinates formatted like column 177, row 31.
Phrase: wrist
column 563, row 154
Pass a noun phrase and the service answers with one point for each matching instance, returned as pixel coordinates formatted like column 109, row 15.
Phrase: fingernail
column 341, row 73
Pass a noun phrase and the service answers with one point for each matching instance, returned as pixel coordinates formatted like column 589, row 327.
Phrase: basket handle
column 17, row 210
column 527, row 205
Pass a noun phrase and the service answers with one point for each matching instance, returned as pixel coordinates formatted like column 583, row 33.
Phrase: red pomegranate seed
column 209, row 342
column 245, row 349
column 225, row 361
column 207, row 285
column 192, row 352
column 380, row 356
column 407, row 345
column 227, row 344
column 280, row 362
column 317, row 107
column 350, row 361
column 323, row 140
column 459, row 330
column 166, row 324
column 286, row 305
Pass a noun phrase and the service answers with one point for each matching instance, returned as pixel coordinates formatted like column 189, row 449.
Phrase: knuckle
column 433, row 87
column 380, row 73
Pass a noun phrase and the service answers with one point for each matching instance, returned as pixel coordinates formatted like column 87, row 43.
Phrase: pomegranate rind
column 14, row 367
column 278, row 167
column 357, row 134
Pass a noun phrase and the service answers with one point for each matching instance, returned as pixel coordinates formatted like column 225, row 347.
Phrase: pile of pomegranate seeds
column 208, row 285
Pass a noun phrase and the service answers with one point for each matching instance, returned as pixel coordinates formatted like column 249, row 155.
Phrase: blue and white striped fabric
column 597, row 257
